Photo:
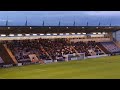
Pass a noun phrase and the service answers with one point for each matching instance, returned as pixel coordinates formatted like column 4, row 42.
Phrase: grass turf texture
column 105, row 67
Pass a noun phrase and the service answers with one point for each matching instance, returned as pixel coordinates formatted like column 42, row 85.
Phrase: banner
column 48, row 61
column 74, row 56
column 6, row 66
column 19, row 64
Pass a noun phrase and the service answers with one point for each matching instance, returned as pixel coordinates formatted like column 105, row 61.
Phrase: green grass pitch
column 97, row 68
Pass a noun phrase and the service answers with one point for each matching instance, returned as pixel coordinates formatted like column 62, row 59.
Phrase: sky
column 66, row 18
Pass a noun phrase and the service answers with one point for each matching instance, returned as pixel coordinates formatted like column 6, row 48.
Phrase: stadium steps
column 45, row 52
column 10, row 53
column 74, row 50
column 68, row 40
column 100, row 49
column 5, row 56
column 103, row 48
column 91, row 52
column 117, row 43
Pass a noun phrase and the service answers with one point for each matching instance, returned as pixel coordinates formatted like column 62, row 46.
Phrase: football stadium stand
column 111, row 47
column 43, row 44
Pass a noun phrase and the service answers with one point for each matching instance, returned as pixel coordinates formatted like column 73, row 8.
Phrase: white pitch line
column 2, row 78
column 40, row 70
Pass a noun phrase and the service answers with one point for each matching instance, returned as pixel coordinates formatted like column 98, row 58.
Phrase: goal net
column 79, row 56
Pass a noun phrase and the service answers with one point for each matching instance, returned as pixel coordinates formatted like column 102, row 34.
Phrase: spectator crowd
column 47, row 49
